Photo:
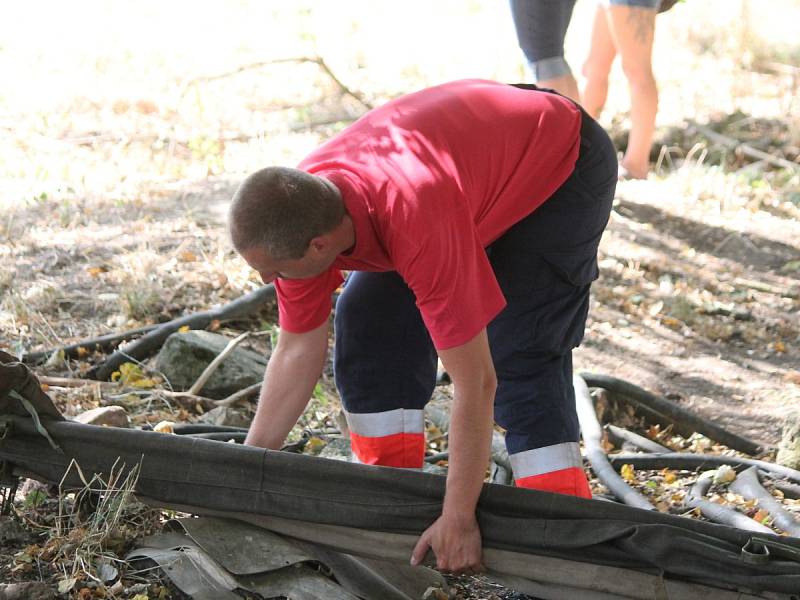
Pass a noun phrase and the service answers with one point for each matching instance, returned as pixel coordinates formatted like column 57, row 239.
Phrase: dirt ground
column 696, row 301
column 113, row 191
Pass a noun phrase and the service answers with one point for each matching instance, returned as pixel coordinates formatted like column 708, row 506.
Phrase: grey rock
column 111, row 416
column 184, row 356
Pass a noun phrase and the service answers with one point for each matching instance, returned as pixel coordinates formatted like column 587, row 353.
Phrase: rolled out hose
column 747, row 485
column 696, row 498
column 618, row 436
column 686, row 461
column 592, row 435
column 672, row 412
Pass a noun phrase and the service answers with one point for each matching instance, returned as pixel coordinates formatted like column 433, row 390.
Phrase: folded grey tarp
column 253, row 484
column 225, row 477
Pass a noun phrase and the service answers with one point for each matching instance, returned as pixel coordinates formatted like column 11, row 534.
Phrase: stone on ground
column 111, row 416
column 185, row 356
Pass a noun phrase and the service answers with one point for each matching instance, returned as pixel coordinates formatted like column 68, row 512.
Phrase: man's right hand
column 293, row 370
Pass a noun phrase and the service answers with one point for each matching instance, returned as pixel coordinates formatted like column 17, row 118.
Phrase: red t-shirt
column 430, row 180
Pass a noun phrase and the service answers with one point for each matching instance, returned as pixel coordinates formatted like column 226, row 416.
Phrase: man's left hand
column 456, row 543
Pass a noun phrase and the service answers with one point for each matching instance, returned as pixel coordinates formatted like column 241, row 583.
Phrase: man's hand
column 292, row 373
column 455, row 536
column 456, row 542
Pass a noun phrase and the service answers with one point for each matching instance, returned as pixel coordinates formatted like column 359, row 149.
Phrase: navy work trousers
column 385, row 362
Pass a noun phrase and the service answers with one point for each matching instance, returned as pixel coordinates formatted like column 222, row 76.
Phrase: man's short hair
column 280, row 210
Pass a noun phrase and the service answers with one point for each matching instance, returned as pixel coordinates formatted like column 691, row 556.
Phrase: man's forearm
column 471, row 423
column 470, row 446
column 293, row 371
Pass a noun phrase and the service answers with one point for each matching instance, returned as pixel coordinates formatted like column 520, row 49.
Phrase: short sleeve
column 449, row 272
column 305, row 304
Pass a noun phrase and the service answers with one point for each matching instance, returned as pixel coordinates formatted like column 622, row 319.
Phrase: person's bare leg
column 564, row 85
column 598, row 65
column 632, row 29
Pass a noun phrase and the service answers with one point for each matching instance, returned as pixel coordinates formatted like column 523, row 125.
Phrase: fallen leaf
column 627, row 473
column 669, row 476
column 132, row 374
column 725, row 474
column 66, row 585
column 183, row 329
column 164, row 427
column 214, row 325
column 187, row 256
column 779, row 346
column 793, row 377
column 762, row 516
column 315, row 445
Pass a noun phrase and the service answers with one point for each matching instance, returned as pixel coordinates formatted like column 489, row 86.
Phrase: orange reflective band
column 405, row 450
column 571, row 482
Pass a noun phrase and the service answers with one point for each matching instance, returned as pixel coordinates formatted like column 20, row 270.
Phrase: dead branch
column 761, row 286
column 214, row 364
column 69, row 382
column 592, row 435
column 150, row 343
column 672, row 412
column 317, row 60
column 247, row 393
column 225, row 138
column 748, row 486
column 696, row 498
column 741, row 148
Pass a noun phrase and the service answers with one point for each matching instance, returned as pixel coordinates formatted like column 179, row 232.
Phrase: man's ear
column 320, row 244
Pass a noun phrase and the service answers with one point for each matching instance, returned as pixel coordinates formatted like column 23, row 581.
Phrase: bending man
column 469, row 214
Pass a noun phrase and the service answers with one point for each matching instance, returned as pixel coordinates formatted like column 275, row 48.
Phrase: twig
column 71, row 382
column 742, row 148
column 247, row 393
column 761, row 286
column 592, row 434
column 318, row 60
column 214, row 364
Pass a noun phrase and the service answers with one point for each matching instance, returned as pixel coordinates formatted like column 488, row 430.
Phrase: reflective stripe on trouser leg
column 394, row 438
column 557, row 468
column 385, row 369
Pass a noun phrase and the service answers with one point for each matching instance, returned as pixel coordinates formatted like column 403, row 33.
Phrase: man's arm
column 293, row 370
column 455, row 537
